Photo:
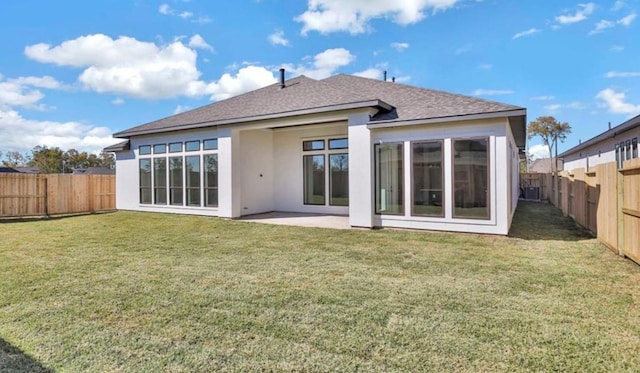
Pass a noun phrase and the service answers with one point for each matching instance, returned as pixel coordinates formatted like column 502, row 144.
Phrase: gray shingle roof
column 412, row 103
column 305, row 94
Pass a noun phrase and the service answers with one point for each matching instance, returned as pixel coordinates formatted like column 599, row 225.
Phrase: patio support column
column 229, row 173
column 360, row 172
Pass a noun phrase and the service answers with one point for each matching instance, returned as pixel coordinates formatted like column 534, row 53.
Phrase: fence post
column 619, row 206
column 46, row 196
column 90, row 196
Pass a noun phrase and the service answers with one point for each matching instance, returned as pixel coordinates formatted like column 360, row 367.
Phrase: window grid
column 174, row 174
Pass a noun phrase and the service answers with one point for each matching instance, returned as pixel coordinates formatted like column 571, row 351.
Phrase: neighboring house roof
column 28, row 170
column 122, row 145
column 397, row 103
column 94, row 171
column 8, row 170
column 613, row 132
column 543, row 166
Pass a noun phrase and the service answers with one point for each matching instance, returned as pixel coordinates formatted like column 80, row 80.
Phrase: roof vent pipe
column 282, row 79
column 385, row 75
column 609, row 125
column 393, row 79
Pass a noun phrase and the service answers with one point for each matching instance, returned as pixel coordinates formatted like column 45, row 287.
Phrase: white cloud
column 615, row 102
column 202, row 20
column 463, row 49
column 553, row 107
column 626, row 21
column 539, row 151
column 543, row 98
column 198, row 42
column 181, row 108
column 492, row 92
column 583, row 12
column 166, row 10
column 277, row 38
column 605, row 24
column 400, row 47
column 324, row 63
column 118, row 101
column 40, row 82
column 485, row 66
column 21, row 134
column 247, row 79
column 618, row 5
column 22, row 91
column 126, row 65
column 353, row 16
column 528, row 32
column 574, row 105
column 617, row 48
column 373, row 73
column 601, row 26
column 622, row 74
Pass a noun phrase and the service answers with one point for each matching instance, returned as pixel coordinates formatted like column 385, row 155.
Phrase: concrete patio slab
column 300, row 219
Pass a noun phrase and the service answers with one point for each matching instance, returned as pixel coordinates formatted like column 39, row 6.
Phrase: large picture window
column 192, row 177
column 145, row 181
column 175, row 181
column 389, row 178
column 471, row 178
column 317, row 176
column 160, row 181
column 339, row 179
column 313, row 170
column 427, row 175
column 211, row 180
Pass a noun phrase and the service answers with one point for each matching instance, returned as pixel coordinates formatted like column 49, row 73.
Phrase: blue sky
column 72, row 73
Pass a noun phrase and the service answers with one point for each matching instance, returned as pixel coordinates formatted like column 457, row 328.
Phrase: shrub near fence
column 53, row 194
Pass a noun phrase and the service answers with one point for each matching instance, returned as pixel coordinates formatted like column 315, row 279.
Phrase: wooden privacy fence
column 605, row 200
column 536, row 180
column 52, row 194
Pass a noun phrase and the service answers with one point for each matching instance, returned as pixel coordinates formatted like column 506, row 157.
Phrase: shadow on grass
column 13, row 359
column 28, row 219
column 542, row 221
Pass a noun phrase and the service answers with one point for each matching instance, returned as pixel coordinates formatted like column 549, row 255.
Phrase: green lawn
column 153, row 292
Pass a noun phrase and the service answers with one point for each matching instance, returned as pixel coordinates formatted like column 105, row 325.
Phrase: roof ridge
column 204, row 107
column 378, row 81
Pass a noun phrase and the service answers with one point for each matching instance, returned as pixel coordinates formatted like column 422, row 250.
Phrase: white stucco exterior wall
column 127, row 172
column 361, row 183
column 288, row 166
column 499, row 172
column 256, row 169
column 260, row 169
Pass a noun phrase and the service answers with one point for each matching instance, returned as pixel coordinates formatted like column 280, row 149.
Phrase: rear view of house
column 383, row 153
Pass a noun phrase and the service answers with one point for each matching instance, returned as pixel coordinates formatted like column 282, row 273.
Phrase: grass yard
column 152, row 292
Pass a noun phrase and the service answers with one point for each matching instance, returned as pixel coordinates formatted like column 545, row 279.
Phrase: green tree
column 48, row 160
column 550, row 131
column 15, row 159
column 107, row 160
